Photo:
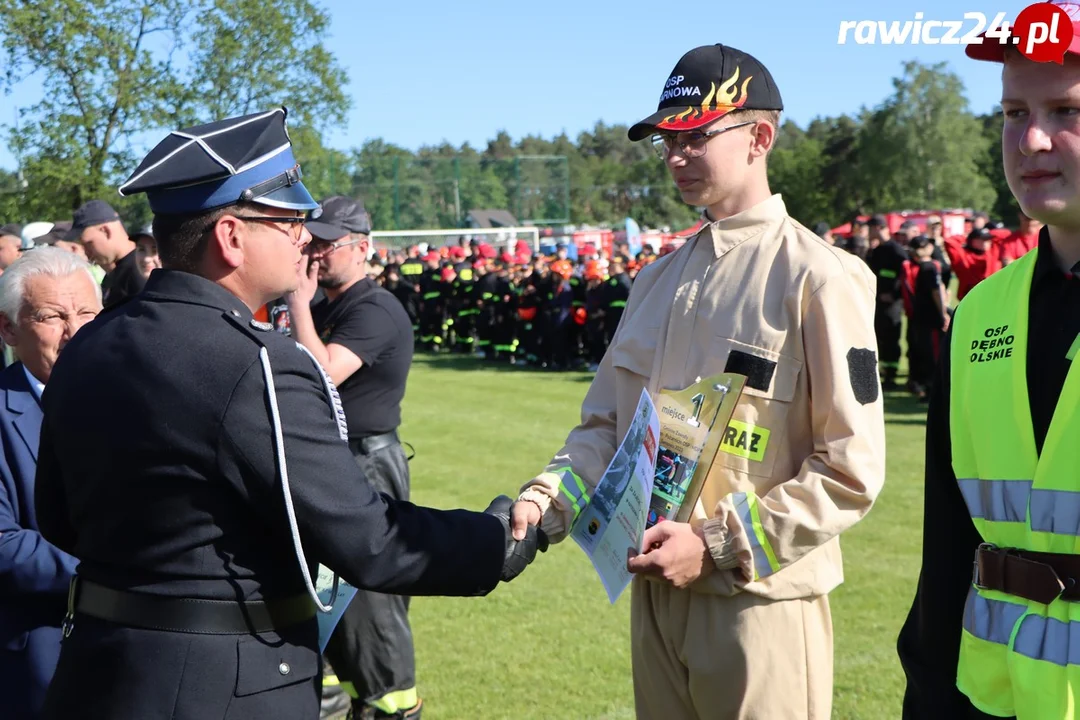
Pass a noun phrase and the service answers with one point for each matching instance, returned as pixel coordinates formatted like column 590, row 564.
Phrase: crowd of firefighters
column 515, row 307
column 551, row 311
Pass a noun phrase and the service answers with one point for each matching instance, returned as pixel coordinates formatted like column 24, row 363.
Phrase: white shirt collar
column 36, row 385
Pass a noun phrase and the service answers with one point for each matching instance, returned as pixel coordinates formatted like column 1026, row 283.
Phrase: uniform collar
column 179, row 286
column 738, row 228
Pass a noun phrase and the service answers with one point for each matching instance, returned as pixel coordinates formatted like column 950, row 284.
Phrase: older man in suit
column 45, row 297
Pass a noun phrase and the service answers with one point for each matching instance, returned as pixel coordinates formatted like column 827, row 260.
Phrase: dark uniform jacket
column 158, row 470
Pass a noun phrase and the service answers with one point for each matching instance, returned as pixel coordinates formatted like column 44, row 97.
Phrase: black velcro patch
column 862, row 369
column 759, row 371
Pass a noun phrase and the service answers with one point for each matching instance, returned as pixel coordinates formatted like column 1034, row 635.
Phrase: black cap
column 11, row 229
column 919, row 241
column 821, row 228
column 877, row 221
column 91, row 214
column 907, row 225
column 707, row 83
column 144, row 231
column 336, row 217
column 980, row 234
column 200, row 168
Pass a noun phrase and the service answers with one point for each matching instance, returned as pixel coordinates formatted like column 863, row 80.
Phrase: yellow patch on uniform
column 744, row 440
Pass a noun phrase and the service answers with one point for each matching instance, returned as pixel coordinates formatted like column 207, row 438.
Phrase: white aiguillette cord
column 283, row 468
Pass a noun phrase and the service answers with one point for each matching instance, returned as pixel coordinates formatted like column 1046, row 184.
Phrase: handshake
column 519, row 552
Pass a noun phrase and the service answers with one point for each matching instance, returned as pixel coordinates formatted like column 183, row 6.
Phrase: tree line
column 114, row 70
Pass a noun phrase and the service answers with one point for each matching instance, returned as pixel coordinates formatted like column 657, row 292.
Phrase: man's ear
column 8, row 331
column 764, row 138
column 227, row 240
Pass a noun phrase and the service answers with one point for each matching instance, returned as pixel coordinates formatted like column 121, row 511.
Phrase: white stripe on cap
column 213, row 155
column 263, row 158
column 194, row 139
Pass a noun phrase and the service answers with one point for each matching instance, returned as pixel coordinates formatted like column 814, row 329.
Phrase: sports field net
column 500, row 238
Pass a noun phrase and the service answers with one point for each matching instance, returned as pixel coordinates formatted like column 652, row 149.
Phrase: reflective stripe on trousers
column 1053, row 511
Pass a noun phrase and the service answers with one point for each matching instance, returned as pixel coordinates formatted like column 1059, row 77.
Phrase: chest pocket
column 753, row 439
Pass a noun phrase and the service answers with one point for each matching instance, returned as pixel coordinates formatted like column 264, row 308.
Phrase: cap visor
column 325, row 231
column 990, row 51
column 290, row 197
column 676, row 120
column 73, row 235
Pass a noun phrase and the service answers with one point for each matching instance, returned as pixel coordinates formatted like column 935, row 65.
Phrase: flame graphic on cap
column 720, row 101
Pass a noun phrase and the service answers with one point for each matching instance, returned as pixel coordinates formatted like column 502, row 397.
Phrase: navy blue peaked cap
column 208, row 166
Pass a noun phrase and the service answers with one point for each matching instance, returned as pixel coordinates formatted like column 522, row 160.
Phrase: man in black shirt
column 363, row 338
column 887, row 262
column 929, row 317
column 1041, row 157
column 97, row 226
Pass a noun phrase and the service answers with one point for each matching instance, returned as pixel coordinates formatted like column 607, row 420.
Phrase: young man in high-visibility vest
column 730, row 615
column 994, row 630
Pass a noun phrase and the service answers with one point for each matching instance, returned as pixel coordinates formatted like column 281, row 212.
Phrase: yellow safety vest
column 1017, row 657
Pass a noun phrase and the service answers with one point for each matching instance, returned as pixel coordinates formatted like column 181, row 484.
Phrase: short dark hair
column 182, row 239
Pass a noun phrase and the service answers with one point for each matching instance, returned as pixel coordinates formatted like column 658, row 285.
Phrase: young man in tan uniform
column 730, row 614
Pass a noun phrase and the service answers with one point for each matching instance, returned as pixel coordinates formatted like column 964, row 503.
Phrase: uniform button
column 284, row 668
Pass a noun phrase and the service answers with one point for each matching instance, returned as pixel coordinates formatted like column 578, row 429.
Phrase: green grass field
column 549, row 645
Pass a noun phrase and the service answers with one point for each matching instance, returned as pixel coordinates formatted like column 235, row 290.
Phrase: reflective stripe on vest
column 1052, row 511
column 1016, row 656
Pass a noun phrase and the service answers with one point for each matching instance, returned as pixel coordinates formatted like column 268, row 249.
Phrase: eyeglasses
column 691, row 144
column 295, row 231
column 323, row 247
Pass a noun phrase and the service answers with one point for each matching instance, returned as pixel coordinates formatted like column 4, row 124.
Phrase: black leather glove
column 518, row 553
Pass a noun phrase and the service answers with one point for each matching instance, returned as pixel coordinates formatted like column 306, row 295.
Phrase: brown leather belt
column 1038, row 576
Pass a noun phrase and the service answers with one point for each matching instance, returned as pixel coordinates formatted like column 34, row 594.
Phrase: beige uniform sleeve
column 839, row 481
column 564, row 488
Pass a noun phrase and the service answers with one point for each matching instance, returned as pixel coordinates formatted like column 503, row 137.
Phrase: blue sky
column 474, row 68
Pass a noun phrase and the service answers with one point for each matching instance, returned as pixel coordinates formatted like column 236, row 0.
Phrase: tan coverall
column 759, row 292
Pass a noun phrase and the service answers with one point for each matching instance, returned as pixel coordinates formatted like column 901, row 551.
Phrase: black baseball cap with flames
column 707, row 83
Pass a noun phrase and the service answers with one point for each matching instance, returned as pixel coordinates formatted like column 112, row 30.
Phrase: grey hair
column 50, row 261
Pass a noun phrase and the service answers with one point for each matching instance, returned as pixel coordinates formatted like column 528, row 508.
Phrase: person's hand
column 945, row 322
column 674, row 551
column 307, row 282
column 524, row 514
column 519, row 554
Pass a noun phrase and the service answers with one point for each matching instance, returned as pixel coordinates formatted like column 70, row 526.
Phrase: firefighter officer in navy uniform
column 362, row 336
column 203, row 475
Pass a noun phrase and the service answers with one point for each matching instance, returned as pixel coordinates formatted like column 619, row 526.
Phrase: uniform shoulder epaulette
column 253, row 329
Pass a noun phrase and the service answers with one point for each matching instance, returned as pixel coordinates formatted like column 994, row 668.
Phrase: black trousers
column 887, row 320
column 925, row 349
column 372, row 646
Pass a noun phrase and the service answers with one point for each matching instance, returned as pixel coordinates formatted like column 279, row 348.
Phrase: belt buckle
column 975, row 578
